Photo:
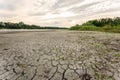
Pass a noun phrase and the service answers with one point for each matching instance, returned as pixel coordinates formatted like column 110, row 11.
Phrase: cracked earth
column 59, row 55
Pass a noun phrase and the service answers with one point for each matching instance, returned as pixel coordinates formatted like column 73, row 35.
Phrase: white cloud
column 57, row 12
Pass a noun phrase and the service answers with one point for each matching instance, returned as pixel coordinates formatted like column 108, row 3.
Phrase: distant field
column 59, row 55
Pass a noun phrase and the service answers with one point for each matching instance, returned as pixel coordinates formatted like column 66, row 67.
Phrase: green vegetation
column 117, row 55
column 21, row 25
column 104, row 24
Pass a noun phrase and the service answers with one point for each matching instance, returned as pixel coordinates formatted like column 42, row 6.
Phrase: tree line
column 103, row 24
column 21, row 25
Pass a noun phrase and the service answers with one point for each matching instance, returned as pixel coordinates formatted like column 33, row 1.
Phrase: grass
column 117, row 55
column 115, row 29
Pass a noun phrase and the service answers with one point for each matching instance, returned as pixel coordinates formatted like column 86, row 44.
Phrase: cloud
column 10, row 5
column 57, row 12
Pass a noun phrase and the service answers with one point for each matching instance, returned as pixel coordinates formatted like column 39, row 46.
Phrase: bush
column 76, row 27
column 89, row 28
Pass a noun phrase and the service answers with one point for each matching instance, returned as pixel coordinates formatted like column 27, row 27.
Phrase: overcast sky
column 57, row 12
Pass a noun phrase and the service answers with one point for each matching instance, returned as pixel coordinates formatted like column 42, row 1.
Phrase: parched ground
column 59, row 55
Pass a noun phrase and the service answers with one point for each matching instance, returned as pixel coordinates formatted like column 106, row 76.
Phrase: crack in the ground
column 34, row 74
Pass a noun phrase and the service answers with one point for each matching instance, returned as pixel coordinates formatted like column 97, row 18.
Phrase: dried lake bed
column 59, row 55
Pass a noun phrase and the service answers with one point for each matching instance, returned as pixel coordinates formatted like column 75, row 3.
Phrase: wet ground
column 59, row 55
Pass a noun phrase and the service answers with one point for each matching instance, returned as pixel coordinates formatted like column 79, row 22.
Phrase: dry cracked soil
column 59, row 55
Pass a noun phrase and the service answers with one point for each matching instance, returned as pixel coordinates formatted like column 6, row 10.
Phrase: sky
column 62, row 13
